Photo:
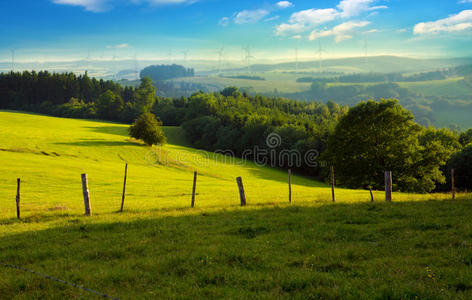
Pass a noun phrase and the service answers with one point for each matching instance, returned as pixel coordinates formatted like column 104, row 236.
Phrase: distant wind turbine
column 13, row 60
column 220, row 58
column 296, row 59
column 320, row 56
column 136, row 68
column 185, row 53
column 247, row 58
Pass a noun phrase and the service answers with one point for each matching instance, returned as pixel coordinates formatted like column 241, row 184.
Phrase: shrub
column 148, row 129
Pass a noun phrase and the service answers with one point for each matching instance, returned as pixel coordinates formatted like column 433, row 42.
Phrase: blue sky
column 74, row 29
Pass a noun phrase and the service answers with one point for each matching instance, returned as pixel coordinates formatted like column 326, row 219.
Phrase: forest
column 165, row 72
column 234, row 121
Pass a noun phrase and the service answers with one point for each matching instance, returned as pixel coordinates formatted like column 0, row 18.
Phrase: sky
column 48, row 30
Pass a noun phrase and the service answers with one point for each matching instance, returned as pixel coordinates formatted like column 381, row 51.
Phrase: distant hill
column 381, row 64
column 165, row 72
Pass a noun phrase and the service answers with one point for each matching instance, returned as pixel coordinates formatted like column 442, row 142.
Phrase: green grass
column 160, row 248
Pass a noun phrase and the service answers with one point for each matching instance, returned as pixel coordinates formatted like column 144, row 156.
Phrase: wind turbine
column 296, row 60
column 185, row 53
column 220, row 58
column 366, row 60
column 13, row 60
column 247, row 58
column 136, row 68
column 114, row 64
column 170, row 56
column 87, row 61
column 320, row 56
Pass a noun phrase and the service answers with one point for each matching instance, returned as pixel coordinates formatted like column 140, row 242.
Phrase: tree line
column 75, row 96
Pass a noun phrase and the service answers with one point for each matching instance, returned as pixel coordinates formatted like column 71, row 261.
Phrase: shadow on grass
column 99, row 142
column 115, row 130
column 291, row 251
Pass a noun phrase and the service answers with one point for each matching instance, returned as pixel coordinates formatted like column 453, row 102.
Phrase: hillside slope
column 159, row 248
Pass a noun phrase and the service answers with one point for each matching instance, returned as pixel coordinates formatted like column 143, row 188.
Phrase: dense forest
column 234, row 121
column 165, row 72
column 423, row 107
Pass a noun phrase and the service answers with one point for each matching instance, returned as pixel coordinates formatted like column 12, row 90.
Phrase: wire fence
column 47, row 196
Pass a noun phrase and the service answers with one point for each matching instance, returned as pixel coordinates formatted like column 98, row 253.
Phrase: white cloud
column 311, row 18
column 119, row 46
column 90, row 5
column 284, row 4
column 353, row 8
column 454, row 23
column 272, row 18
column 314, row 16
column 341, row 32
column 104, row 5
column 285, row 29
column 250, row 16
column 224, row 21
column 165, row 2
column 465, row 1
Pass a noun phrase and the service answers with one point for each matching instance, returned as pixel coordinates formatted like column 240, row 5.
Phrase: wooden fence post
column 85, row 191
column 194, row 187
column 332, row 184
column 289, row 186
column 124, row 188
column 18, row 198
column 453, row 187
column 371, row 195
column 388, row 186
column 241, row 191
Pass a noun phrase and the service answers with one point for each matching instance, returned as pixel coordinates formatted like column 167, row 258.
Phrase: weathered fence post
column 289, row 186
column 85, row 190
column 241, row 191
column 388, row 186
column 332, row 184
column 371, row 195
column 124, row 188
column 453, row 187
column 18, row 198
column 194, row 187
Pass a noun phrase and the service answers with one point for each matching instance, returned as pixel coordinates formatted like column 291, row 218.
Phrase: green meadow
column 418, row 247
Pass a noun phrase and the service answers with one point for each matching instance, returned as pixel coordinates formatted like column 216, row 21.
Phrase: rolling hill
column 417, row 246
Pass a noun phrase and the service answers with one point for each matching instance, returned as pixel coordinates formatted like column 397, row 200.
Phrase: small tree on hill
column 148, row 129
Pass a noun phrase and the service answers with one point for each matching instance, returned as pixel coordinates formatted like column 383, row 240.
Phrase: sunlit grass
column 49, row 154
column 161, row 248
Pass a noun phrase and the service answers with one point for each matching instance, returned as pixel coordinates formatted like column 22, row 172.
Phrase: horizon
column 78, row 30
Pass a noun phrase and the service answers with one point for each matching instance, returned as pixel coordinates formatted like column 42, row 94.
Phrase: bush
column 148, row 129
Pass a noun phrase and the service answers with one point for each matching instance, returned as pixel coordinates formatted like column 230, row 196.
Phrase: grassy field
column 419, row 246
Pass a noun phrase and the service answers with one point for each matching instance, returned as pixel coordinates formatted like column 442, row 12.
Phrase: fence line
column 242, row 194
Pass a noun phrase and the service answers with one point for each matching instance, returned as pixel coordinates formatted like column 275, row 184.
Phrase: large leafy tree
column 374, row 137
column 145, row 95
column 109, row 105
